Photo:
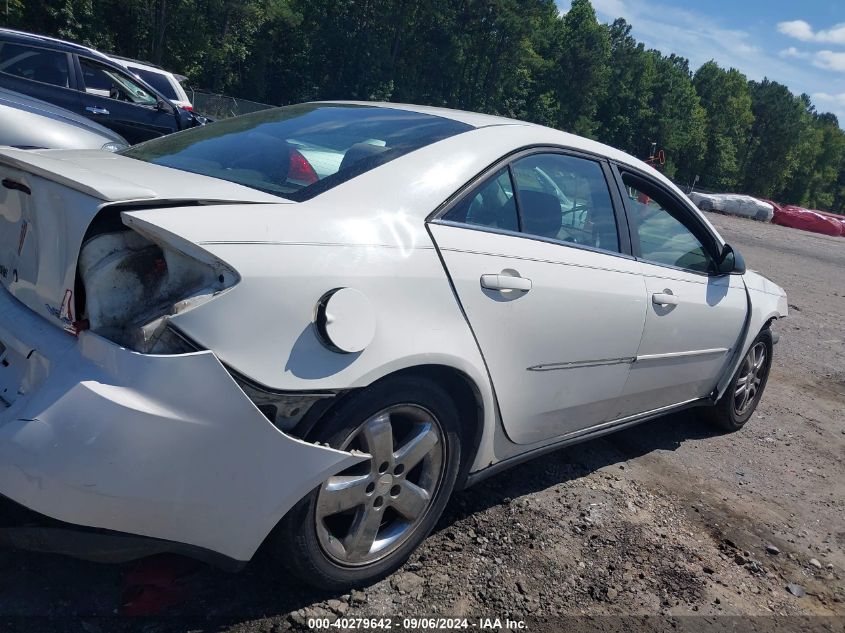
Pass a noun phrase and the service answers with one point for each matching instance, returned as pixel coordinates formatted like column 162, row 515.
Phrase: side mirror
column 730, row 261
column 162, row 105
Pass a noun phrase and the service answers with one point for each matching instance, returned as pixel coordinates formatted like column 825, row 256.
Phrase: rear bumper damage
column 165, row 447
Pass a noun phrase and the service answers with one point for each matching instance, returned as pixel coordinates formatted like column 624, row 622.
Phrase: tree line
column 517, row 58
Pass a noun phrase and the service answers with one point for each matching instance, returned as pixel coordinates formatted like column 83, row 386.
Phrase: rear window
column 300, row 151
column 158, row 81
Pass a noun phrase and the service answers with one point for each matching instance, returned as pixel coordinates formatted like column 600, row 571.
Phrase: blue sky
column 799, row 44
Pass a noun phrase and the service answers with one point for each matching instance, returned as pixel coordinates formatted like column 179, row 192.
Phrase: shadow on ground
column 58, row 587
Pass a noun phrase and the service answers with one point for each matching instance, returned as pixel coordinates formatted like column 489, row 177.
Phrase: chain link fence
column 219, row 106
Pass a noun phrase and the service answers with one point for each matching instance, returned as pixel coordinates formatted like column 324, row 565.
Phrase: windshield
column 299, row 151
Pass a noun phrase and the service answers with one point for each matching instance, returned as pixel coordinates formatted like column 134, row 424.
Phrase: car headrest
column 360, row 151
column 541, row 213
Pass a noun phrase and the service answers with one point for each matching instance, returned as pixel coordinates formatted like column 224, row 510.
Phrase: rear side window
column 566, row 198
column 36, row 64
column 300, row 151
column 158, row 81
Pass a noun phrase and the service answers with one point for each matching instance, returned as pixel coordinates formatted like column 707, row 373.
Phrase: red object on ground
column 808, row 220
column 835, row 216
column 156, row 583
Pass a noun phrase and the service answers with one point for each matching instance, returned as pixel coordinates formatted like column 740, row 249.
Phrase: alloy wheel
column 751, row 375
column 366, row 512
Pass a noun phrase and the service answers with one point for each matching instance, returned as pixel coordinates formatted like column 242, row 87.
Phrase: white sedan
column 207, row 342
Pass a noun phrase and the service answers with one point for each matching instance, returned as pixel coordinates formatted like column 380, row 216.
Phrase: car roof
column 51, row 42
column 475, row 119
column 478, row 120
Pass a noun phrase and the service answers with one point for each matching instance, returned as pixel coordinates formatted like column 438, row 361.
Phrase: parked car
column 87, row 82
column 29, row 123
column 164, row 81
column 225, row 352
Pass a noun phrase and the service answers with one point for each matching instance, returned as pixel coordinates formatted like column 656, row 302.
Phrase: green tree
column 625, row 112
column 678, row 122
column 727, row 103
column 778, row 122
column 581, row 72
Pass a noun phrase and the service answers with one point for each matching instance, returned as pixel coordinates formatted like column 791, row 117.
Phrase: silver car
column 31, row 123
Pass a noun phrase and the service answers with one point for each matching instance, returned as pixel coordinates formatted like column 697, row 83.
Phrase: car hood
column 20, row 101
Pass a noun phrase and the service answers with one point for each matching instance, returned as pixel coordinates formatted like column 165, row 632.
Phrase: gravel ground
column 665, row 519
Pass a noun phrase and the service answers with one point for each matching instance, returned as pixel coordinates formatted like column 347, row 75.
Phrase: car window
column 159, row 81
column 491, row 204
column 566, row 198
column 658, row 225
column 298, row 151
column 105, row 81
column 37, row 64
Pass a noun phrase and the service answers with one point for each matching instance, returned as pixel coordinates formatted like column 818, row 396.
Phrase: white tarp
column 734, row 204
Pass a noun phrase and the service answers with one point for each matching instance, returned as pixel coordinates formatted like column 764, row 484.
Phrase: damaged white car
column 209, row 342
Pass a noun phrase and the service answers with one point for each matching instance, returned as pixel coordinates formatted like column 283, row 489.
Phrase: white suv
column 162, row 80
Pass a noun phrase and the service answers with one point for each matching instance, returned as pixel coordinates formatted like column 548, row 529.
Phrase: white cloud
column 801, row 30
column 824, row 96
column 795, row 53
column 615, row 8
column 685, row 32
column 830, row 61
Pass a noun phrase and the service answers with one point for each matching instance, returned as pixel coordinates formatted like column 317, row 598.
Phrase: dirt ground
column 665, row 519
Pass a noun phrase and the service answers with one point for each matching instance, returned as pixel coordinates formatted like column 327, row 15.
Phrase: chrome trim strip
column 582, row 363
column 695, row 352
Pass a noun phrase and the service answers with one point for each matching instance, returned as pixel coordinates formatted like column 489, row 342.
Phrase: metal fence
column 219, row 106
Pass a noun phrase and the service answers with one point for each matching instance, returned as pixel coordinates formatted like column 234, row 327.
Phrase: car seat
column 541, row 214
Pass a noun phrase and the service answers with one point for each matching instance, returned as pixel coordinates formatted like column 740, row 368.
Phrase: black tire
column 725, row 414
column 296, row 541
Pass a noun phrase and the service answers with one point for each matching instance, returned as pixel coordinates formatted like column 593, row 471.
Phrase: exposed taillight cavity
column 300, row 170
column 133, row 283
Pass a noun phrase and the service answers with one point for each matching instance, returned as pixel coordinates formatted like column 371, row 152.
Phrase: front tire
column 364, row 523
column 743, row 394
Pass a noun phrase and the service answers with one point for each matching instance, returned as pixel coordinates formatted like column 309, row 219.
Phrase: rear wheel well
column 461, row 389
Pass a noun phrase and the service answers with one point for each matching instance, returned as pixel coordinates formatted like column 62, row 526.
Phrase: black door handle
column 18, row 186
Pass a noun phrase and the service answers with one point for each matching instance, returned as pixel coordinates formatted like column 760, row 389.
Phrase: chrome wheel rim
column 368, row 511
column 751, row 374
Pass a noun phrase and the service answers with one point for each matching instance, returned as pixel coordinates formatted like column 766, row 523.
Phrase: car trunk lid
column 48, row 199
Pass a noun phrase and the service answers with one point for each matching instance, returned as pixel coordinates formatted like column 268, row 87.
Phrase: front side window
column 36, row 64
column 105, row 81
column 566, row 198
column 491, row 205
column 657, row 224
column 300, row 151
